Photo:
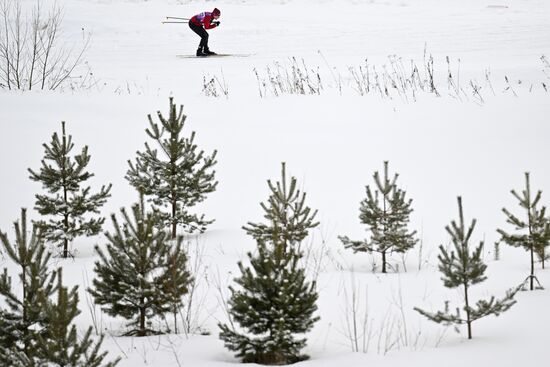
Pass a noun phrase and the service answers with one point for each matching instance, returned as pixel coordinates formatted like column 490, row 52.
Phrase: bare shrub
column 396, row 79
column 546, row 66
column 212, row 86
column 32, row 53
column 391, row 332
column 289, row 78
column 195, row 312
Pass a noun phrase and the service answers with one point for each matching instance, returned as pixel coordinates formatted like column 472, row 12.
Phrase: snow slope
column 442, row 147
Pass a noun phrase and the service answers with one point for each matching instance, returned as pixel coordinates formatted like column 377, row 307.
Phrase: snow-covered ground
column 333, row 142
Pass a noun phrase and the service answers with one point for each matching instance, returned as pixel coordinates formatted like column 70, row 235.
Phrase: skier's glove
column 216, row 22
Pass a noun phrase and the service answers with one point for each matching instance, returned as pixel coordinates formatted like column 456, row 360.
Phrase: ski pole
column 177, row 18
column 165, row 22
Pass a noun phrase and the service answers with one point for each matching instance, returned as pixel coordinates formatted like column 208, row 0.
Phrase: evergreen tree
column 179, row 177
column 273, row 303
column 386, row 214
column 22, row 317
column 534, row 230
column 274, row 300
column 134, row 271
column 59, row 345
column 68, row 204
column 462, row 268
column 286, row 213
column 33, row 326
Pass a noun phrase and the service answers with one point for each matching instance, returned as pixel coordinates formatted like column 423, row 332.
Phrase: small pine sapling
column 21, row 318
column 274, row 300
column 462, row 268
column 67, row 203
column 533, row 231
column 386, row 213
column 134, row 271
column 177, row 178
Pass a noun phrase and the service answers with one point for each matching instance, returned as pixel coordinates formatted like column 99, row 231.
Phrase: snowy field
column 462, row 142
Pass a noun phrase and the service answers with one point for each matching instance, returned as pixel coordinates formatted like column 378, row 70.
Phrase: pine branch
column 493, row 306
column 441, row 317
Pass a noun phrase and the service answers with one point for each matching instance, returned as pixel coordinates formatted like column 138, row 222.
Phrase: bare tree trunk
column 19, row 40
column 174, row 222
column 468, row 321
column 531, row 278
column 7, row 41
column 532, row 247
column 384, row 231
column 65, row 240
column 142, row 331
column 47, row 46
column 175, row 311
column 25, row 305
column 34, row 47
column 65, row 197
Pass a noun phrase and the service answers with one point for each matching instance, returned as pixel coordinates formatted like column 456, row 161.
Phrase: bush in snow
column 211, row 84
column 142, row 273
column 32, row 54
column 534, row 235
column 67, row 203
column 177, row 176
column 462, row 268
column 295, row 78
column 386, row 214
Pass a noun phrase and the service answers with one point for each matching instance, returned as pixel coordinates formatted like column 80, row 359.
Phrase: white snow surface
column 333, row 142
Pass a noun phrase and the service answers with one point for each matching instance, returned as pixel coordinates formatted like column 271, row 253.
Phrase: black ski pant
column 202, row 34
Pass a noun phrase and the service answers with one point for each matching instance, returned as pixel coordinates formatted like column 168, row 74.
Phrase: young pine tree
column 67, row 203
column 178, row 177
column 21, row 319
column 285, row 212
column 273, row 303
column 133, row 272
column 60, row 345
column 386, row 214
column 462, row 268
column 534, row 230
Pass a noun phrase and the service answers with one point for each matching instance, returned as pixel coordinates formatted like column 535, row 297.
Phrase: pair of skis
column 175, row 20
column 178, row 20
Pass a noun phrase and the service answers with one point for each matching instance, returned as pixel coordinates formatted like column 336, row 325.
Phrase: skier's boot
column 208, row 52
column 200, row 52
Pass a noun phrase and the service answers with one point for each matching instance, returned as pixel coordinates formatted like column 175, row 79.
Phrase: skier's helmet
column 216, row 12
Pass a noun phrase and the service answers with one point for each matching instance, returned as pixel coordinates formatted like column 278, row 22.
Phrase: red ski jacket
column 204, row 19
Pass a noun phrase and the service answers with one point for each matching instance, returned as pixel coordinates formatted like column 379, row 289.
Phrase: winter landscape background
column 462, row 142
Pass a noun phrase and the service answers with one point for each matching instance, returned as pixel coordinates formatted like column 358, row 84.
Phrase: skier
column 199, row 24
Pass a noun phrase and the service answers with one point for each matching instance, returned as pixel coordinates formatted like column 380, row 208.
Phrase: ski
column 216, row 55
